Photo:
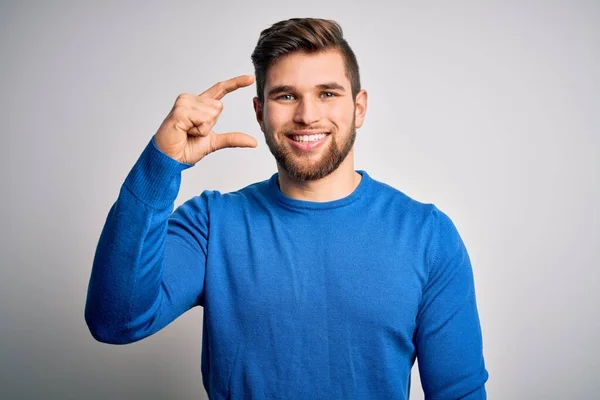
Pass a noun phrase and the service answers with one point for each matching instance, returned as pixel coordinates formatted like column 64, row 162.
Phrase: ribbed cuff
column 155, row 178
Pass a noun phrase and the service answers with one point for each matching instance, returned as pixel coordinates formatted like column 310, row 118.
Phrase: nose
column 307, row 112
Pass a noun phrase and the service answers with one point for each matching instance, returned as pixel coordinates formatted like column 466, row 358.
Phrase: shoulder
column 424, row 218
column 385, row 196
column 211, row 201
column 429, row 226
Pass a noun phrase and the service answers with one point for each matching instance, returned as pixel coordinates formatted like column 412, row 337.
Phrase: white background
column 490, row 110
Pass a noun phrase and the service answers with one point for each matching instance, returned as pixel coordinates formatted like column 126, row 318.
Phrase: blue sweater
column 302, row 300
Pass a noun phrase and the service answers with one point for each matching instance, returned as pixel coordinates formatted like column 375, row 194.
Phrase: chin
column 311, row 167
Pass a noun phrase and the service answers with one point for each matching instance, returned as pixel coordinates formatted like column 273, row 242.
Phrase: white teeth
column 309, row 138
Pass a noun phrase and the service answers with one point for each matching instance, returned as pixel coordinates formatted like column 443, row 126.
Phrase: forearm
column 124, row 293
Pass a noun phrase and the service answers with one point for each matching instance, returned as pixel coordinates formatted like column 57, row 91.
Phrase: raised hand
column 186, row 134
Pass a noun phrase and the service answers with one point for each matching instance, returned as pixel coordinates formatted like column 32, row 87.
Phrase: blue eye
column 286, row 97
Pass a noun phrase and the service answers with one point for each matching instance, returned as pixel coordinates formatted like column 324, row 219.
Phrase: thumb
column 234, row 139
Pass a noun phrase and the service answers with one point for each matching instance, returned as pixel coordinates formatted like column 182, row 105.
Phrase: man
column 318, row 283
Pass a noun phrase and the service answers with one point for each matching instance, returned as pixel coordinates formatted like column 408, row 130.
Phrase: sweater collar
column 290, row 202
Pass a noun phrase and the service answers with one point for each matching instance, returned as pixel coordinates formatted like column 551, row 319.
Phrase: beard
column 302, row 167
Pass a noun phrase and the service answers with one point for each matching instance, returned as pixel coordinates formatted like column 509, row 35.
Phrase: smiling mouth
column 308, row 138
column 307, row 141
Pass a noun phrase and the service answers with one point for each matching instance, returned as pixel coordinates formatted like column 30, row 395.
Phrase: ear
column 258, row 110
column 360, row 107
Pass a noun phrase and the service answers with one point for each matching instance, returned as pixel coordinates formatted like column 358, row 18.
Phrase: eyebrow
column 287, row 88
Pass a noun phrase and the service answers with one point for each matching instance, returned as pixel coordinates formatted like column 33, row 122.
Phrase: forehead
column 304, row 70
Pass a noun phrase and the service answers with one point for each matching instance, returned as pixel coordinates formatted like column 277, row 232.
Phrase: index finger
column 220, row 89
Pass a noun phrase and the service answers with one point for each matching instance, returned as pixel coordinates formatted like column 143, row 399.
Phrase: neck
column 337, row 185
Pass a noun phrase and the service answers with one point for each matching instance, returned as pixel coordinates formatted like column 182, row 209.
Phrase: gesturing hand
column 186, row 133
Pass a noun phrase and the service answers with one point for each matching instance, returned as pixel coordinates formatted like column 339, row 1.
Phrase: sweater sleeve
column 448, row 335
column 149, row 263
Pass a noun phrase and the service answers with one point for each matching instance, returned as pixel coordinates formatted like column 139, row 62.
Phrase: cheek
column 342, row 114
column 275, row 117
